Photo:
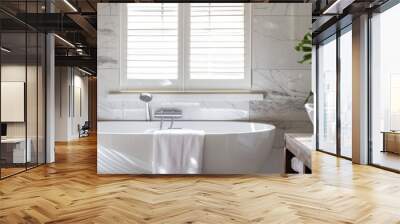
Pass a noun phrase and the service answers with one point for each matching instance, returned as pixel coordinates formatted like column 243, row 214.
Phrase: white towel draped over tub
column 178, row 151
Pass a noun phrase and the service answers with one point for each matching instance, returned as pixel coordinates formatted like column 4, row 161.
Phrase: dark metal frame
column 339, row 32
column 44, row 80
column 387, row 5
column 338, row 98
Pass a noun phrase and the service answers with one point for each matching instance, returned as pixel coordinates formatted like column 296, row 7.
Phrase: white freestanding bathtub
column 125, row 147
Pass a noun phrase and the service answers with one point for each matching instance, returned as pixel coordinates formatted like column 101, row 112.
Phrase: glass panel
column 327, row 96
column 346, row 94
column 32, row 90
column 13, row 87
column 31, row 100
column 22, row 91
column 385, row 84
column 41, row 99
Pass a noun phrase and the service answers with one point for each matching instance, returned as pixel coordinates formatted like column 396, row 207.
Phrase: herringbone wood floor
column 70, row 191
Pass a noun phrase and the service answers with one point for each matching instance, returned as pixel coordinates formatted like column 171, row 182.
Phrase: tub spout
column 148, row 112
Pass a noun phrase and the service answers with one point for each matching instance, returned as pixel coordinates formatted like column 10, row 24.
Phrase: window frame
column 143, row 84
column 183, row 81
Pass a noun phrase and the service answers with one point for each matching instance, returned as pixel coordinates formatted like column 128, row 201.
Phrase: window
column 385, row 88
column 334, row 107
column 186, row 46
column 152, row 41
column 327, row 96
column 346, row 75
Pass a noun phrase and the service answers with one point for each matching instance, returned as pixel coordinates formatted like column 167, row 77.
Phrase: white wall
column 33, row 126
column 17, row 73
column 68, row 82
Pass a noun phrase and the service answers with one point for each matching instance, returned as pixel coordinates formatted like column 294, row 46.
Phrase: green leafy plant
column 305, row 46
column 309, row 97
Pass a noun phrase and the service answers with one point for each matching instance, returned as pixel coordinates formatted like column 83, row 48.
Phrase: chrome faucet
column 168, row 113
column 147, row 97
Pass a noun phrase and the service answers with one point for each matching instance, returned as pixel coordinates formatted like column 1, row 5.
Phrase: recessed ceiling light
column 337, row 7
column 84, row 71
column 5, row 50
column 70, row 5
column 64, row 40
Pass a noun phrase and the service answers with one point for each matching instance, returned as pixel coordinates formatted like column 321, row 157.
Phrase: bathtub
column 125, row 147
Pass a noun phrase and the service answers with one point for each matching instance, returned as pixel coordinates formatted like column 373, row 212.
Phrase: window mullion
column 184, row 20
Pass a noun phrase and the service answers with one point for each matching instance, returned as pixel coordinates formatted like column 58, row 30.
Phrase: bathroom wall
column 276, row 28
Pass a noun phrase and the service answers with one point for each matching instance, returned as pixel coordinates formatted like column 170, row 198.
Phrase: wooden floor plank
column 70, row 191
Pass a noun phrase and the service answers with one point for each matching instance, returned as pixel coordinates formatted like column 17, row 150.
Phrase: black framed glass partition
column 334, row 94
column 385, row 89
column 13, row 91
column 22, row 77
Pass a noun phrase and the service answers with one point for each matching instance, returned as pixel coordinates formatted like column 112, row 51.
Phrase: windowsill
column 216, row 94
column 189, row 91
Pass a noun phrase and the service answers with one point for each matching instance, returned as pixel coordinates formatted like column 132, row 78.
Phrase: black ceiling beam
column 11, row 25
column 49, row 22
column 91, row 5
column 79, row 61
column 204, row 1
column 327, row 25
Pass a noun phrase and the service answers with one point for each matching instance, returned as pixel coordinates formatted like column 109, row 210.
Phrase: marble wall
column 276, row 28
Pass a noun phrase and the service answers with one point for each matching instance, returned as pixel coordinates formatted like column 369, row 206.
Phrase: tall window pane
column 217, row 42
column 152, row 48
column 385, row 87
column 346, row 94
column 327, row 96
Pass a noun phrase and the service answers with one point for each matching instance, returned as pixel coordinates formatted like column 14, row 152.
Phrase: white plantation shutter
column 152, row 41
column 186, row 46
column 217, row 41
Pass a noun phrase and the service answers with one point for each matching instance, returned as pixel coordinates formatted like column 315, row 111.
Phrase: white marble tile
column 109, row 22
column 134, row 114
column 115, row 8
column 108, row 32
column 282, row 82
column 107, row 80
column 276, row 54
column 109, row 110
column 278, row 108
column 107, row 38
column 275, row 38
column 292, row 9
column 281, row 28
column 103, row 9
column 108, row 58
column 208, row 110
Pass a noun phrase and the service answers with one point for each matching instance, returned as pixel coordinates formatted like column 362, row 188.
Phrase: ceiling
column 75, row 22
